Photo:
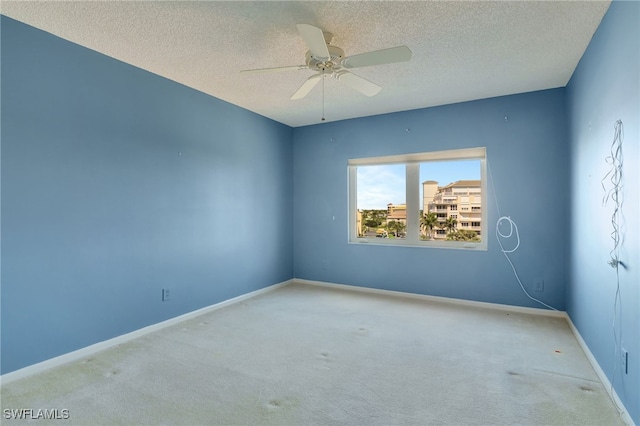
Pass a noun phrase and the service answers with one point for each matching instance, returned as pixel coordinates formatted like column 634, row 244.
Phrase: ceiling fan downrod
column 323, row 77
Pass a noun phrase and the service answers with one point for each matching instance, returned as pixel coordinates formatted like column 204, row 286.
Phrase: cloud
column 378, row 186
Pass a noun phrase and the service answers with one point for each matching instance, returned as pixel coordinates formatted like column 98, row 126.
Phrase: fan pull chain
column 323, row 77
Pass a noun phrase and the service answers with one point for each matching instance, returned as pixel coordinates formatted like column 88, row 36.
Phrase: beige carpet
column 308, row 355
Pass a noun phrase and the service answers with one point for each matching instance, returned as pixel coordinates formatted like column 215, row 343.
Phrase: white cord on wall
column 615, row 194
column 513, row 232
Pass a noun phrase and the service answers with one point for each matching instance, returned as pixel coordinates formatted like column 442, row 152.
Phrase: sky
column 381, row 185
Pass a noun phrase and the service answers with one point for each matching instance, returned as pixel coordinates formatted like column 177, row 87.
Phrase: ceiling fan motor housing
column 334, row 62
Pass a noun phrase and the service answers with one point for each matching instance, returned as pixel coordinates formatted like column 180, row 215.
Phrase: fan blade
column 314, row 38
column 358, row 83
column 306, row 87
column 276, row 69
column 378, row 57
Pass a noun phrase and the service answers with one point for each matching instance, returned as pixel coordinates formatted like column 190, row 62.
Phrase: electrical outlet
column 166, row 294
column 538, row 284
column 625, row 360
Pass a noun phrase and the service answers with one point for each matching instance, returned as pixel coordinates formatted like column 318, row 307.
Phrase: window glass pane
column 451, row 200
column 381, row 201
column 445, row 197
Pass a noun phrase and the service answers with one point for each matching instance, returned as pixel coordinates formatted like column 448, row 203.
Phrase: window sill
column 456, row 245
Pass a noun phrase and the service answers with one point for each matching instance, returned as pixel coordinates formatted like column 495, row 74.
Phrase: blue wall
column 604, row 88
column 528, row 157
column 117, row 183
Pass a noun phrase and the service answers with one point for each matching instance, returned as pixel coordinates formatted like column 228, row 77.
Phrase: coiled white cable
column 512, row 227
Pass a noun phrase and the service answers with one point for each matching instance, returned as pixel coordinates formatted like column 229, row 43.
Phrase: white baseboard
column 100, row 346
column 624, row 413
column 449, row 300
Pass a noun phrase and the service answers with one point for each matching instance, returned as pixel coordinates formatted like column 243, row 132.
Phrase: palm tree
column 428, row 222
column 450, row 224
column 373, row 218
column 392, row 227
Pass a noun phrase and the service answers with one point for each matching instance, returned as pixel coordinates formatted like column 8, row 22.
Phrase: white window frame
column 412, row 163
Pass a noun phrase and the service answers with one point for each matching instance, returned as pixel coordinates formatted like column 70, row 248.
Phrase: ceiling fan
column 329, row 60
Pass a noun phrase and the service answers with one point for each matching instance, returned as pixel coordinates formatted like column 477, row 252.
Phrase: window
column 419, row 199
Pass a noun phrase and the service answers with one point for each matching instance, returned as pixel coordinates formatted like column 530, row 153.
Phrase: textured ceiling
column 461, row 50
